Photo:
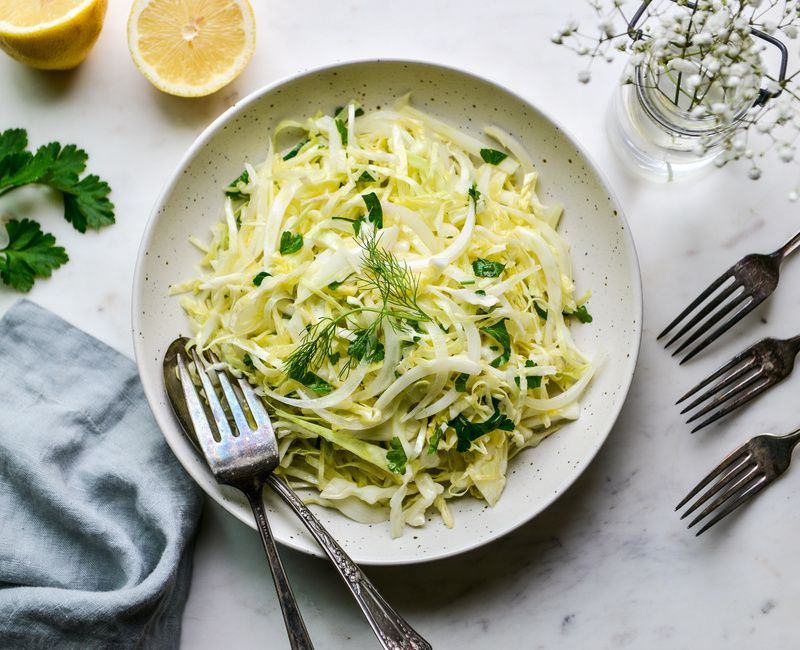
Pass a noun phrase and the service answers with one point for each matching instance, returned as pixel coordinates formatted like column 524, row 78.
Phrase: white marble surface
column 609, row 565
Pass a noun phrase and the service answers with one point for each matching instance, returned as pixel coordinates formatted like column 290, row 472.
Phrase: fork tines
column 723, row 304
column 732, row 482
column 733, row 385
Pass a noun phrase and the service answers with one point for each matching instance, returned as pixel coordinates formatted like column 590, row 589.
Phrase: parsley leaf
column 248, row 362
column 30, row 254
column 260, row 278
column 13, row 141
column 86, row 204
column 583, row 315
column 396, row 456
column 474, row 194
column 542, row 312
column 373, row 204
column 290, row 243
column 296, row 149
column 334, row 358
column 493, row 156
column 233, row 190
column 366, row 177
column 467, row 432
column 487, row 268
column 461, row 382
column 500, row 334
column 341, row 127
column 316, row 383
column 532, row 381
column 435, row 439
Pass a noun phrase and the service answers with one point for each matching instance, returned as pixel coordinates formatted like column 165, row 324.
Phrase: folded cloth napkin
column 96, row 515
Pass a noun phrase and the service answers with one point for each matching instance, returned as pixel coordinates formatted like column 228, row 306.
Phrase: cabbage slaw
column 395, row 433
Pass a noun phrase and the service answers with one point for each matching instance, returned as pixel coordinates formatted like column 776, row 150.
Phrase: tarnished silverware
column 728, row 299
column 391, row 629
column 740, row 476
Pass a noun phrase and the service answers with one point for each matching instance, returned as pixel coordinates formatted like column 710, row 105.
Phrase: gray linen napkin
column 96, row 515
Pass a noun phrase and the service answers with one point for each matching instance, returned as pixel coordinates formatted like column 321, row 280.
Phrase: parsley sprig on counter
column 31, row 253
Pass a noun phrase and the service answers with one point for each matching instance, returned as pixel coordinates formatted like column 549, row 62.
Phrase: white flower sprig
column 704, row 59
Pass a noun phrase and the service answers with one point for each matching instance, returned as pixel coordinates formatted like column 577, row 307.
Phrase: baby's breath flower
column 702, row 56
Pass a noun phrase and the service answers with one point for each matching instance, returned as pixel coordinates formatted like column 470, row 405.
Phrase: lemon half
column 191, row 48
column 50, row 34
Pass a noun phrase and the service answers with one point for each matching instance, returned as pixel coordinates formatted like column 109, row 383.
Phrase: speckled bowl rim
column 240, row 106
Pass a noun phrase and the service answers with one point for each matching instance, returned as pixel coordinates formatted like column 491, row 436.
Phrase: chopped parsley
column 542, row 312
column 290, row 243
column 248, row 362
column 296, row 149
column 467, row 432
column 435, row 439
column 582, row 314
column 316, row 383
column 474, row 194
column 500, row 334
column 234, row 191
column 487, row 268
column 375, row 214
column 396, row 458
column 493, row 156
column 366, row 177
column 341, row 127
column 461, row 382
column 533, row 381
column 260, row 278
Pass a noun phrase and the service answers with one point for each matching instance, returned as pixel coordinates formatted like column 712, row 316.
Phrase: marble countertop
column 609, row 565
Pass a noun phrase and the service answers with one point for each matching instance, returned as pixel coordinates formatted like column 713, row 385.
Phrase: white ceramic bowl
column 603, row 255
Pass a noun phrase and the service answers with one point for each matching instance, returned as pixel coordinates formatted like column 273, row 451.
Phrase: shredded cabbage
column 439, row 400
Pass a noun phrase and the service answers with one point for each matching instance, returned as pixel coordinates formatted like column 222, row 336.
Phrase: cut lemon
column 191, row 48
column 50, row 34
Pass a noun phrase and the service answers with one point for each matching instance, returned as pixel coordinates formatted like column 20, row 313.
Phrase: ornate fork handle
column 392, row 630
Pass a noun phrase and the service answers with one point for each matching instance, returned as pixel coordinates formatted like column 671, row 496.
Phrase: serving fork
column 728, row 299
column 740, row 476
column 254, row 452
column 744, row 377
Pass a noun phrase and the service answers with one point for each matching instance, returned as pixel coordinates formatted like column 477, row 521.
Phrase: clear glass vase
column 651, row 126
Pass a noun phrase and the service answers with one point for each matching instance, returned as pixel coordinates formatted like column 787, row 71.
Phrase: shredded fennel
column 414, row 397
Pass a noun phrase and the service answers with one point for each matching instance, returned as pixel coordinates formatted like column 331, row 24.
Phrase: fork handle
column 788, row 248
column 392, row 630
column 295, row 627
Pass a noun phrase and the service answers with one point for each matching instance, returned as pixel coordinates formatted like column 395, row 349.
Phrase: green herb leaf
column 542, row 312
column 86, row 204
column 461, row 382
column 295, row 149
column 493, row 156
column 396, row 458
column 377, row 354
column 30, row 254
column 533, row 381
column 290, row 243
column 260, row 278
column 316, row 383
column 435, row 439
column 13, row 141
column 366, row 177
column 480, row 292
column 233, row 190
column 373, row 204
column 248, row 362
column 334, row 358
column 359, row 112
column 341, row 127
column 474, row 194
column 467, row 432
column 500, row 334
column 487, row 268
column 583, row 315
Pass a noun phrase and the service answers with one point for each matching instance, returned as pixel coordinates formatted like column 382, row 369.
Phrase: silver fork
column 729, row 298
column 744, row 377
column 391, row 629
column 243, row 460
column 742, row 475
